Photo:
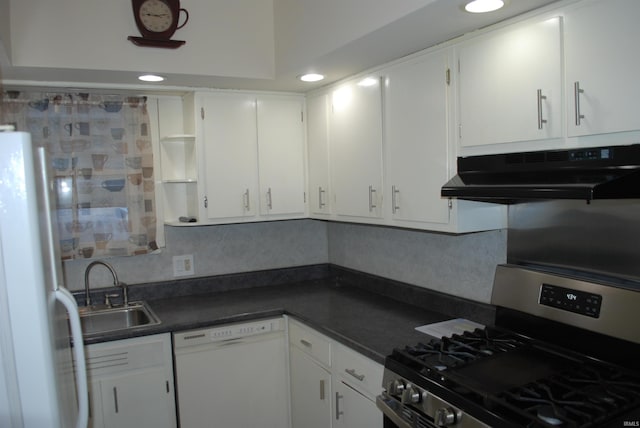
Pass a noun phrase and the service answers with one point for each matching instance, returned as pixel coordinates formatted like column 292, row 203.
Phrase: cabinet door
column 602, row 62
column 354, row 410
column 510, row 85
column 96, row 418
column 416, row 152
column 310, row 392
column 318, row 149
column 141, row 399
column 355, row 136
column 131, row 383
column 230, row 155
column 281, row 156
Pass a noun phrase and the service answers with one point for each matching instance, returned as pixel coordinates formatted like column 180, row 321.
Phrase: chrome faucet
column 116, row 282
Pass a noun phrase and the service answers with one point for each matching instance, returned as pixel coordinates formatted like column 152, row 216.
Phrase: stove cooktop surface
column 524, row 382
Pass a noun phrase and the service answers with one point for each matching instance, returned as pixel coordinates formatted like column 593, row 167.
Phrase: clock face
column 156, row 16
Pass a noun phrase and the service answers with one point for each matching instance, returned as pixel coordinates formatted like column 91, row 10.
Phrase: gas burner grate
column 583, row 397
column 460, row 349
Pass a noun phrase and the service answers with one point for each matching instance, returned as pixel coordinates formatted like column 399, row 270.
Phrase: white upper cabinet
column 602, row 63
column 355, row 142
column 281, row 155
column 318, row 154
column 416, row 149
column 510, row 85
column 245, row 160
column 230, row 164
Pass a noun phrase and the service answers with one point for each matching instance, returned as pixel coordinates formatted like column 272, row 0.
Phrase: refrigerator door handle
column 64, row 296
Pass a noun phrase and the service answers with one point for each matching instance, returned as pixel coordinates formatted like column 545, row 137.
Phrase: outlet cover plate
column 183, row 265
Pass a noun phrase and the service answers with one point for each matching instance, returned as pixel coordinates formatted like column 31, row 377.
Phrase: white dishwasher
column 234, row 376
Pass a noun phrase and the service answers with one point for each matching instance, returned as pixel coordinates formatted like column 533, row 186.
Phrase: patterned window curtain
column 101, row 156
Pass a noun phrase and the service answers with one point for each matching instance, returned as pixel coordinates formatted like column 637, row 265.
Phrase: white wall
column 308, row 29
column 224, row 37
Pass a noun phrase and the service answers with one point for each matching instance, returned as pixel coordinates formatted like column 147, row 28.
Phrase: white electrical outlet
column 183, row 265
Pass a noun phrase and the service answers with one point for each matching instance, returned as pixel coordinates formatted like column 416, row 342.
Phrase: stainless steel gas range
column 564, row 352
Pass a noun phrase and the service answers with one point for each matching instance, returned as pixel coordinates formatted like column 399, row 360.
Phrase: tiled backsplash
column 461, row 265
column 217, row 250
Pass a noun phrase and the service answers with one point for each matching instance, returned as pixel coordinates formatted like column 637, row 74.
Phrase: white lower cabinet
column 131, row 383
column 310, row 391
column 356, row 381
column 354, row 410
column 332, row 386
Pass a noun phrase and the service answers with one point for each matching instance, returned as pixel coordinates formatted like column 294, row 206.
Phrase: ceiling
column 435, row 22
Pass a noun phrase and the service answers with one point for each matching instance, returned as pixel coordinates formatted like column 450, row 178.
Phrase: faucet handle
column 107, row 299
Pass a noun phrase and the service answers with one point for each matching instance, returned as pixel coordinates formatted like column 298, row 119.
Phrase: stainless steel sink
column 96, row 320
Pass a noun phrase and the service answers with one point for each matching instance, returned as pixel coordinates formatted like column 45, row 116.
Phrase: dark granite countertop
column 370, row 322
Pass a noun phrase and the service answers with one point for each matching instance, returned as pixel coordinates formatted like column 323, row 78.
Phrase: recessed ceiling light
column 311, row 77
column 482, row 6
column 151, row 78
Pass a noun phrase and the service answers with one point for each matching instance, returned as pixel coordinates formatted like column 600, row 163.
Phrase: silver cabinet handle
column 372, row 192
column 353, row 373
column 338, row 411
column 206, row 202
column 321, row 202
column 576, row 94
column 541, row 97
column 246, row 200
column 322, row 389
column 306, row 343
column 395, row 196
column 115, row 398
column 269, row 199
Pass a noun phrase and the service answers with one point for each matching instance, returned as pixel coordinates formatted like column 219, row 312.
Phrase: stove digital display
column 576, row 301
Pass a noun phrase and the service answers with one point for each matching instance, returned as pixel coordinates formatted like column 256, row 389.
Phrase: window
column 101, row 159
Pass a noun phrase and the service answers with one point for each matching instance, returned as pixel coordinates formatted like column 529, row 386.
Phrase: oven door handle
column 391, row 413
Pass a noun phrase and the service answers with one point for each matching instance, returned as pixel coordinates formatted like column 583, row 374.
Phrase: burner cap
column 599, row 395
column 550, row 415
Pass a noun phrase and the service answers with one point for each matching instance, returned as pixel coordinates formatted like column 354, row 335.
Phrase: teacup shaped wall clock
column 157, row 21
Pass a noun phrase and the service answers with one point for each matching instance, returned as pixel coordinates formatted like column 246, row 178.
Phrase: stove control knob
column 411, row 396
column 444, row 417
column 396, row 387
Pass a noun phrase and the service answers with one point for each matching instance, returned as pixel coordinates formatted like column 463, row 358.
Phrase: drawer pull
column 306, row 343
column 353, row 373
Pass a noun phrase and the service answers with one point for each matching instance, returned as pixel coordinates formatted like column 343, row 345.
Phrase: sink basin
column 95, row 320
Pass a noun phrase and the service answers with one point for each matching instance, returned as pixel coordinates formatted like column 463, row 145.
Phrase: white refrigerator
column 40, row 386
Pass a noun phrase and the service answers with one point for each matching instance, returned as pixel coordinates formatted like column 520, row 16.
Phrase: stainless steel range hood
column 611, row 172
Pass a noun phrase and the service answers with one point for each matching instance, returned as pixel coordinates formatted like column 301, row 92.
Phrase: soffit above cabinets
column 232, row 45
